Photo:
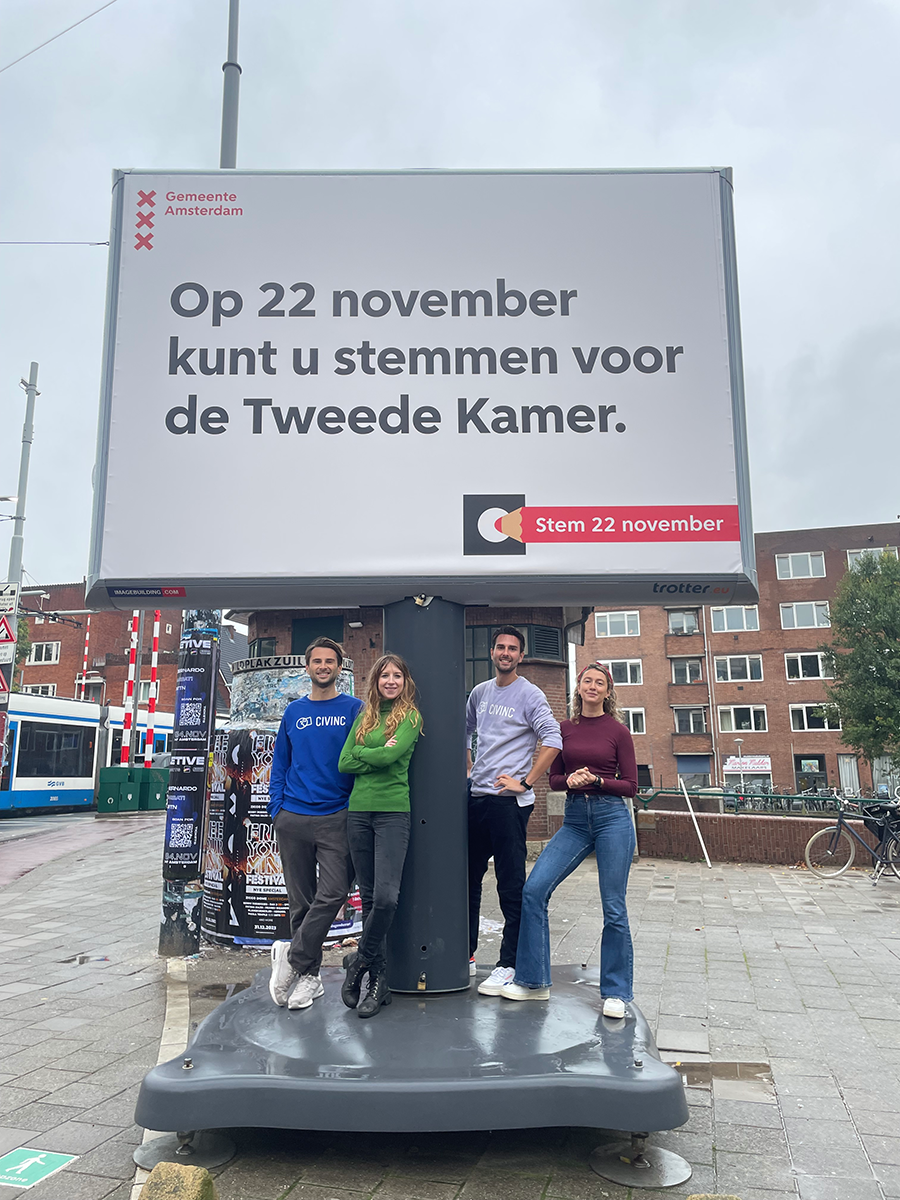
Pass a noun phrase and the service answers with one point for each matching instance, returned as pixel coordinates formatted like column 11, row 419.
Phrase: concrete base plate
column 207, row 1148
column 437, row 1062
column 655, row 1168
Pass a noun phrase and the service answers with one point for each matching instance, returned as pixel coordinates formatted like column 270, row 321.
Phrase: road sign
column 7, row 634
column 9, row 597
column 25, row 1167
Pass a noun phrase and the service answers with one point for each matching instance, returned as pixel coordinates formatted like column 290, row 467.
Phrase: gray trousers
column 314, row 897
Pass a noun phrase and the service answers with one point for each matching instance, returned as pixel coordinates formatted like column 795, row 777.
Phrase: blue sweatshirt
column 305, row 776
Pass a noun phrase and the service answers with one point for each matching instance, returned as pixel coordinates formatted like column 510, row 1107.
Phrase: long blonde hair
column 609, row 700
column 403, row 706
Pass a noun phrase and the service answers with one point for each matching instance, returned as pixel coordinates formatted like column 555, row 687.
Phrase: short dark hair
column 325, row 643
column 508, row 631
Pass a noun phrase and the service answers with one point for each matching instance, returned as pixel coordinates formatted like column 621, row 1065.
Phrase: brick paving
column 756, row 971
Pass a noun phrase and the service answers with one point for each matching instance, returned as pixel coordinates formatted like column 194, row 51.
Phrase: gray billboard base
column 598, row 589
column 432, row 1063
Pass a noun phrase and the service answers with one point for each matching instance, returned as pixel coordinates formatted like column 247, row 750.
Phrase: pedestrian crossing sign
column 6, row 633
column 23, row 1168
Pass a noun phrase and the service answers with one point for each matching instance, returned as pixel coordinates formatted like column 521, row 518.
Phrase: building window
column 683, row 621
column 617, row 624
column 262, row 647
column 743, row 718
column 541, row 641
column 144, row 691
column 634, row 719
column 40, row 689
column 814, row 716
column 44, row 652
column 305, row 630
column 800, row 566
column 690, row 720
column 38, row 620
column 735, row 618
column 623, row 670
column 805, row 666
column 812, row 615
column 738, row 667
column 853, row 556
column 687, row 670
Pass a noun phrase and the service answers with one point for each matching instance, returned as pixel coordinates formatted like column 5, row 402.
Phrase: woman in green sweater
column 377, row 752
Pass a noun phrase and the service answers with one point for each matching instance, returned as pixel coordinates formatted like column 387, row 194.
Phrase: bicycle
column 830, row 852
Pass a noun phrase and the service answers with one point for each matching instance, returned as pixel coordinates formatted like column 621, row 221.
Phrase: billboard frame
column 546, row 589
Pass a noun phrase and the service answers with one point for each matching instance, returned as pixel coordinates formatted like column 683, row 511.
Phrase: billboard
column 495, row 387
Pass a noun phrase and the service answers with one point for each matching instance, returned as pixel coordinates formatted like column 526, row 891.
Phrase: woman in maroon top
column 597, row 770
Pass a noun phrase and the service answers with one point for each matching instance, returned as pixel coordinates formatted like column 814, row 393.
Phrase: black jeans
column 305, row 842
column 497, row 826
column 378, row 842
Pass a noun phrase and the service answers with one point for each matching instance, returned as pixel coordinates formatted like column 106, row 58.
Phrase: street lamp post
column 15, row 545
column 739, row 743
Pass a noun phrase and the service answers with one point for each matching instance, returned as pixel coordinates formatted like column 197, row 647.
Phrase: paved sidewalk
column 777, row 993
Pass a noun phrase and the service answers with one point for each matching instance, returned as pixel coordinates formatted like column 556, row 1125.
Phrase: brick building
column 720, row 694
column 359, row 630
column 57, row 622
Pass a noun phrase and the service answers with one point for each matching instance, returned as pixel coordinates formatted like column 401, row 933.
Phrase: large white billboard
column 342, row 388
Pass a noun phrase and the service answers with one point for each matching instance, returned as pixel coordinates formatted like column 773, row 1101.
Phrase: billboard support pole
column 428, row 946
column 230, row 92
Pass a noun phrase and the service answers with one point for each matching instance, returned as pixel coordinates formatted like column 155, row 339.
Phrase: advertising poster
column 194, row 716
column 245, row 900
column 578, row 328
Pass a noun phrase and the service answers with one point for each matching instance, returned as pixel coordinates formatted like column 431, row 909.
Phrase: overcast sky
column 795, row 95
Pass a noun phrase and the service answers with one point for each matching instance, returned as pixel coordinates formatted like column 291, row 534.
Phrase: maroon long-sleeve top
column 604, row 746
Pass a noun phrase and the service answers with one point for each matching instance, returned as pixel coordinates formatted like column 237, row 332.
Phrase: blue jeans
column 602, row 824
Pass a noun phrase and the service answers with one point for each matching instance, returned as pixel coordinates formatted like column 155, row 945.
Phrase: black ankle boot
column 378, row 993
column 355, row 968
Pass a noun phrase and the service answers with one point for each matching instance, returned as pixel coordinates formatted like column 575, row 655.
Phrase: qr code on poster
column 191, row 712
column 181, row 837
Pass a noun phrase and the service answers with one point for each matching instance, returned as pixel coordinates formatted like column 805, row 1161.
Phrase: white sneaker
column 614, row 1007
column 493, row 985
column 283, row 975
column 515, row 991
column 306, row 989
column 472, row 967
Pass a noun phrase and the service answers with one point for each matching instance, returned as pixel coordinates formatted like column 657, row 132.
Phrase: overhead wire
column 56, row 35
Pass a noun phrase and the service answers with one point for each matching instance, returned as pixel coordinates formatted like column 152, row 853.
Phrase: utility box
column 109, row 792
column 153, row 785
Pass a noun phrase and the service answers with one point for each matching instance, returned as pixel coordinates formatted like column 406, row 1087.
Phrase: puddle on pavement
column 741, row 1080
column 219, row 991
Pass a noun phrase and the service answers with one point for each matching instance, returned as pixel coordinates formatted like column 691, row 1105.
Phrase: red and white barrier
column 151, row 700
column 87, row 642
column 129, row 695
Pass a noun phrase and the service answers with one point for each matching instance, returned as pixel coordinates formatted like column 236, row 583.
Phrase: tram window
column 48, row 749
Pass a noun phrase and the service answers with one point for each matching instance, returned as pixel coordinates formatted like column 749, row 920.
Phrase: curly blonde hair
column 610, row 705
column 404, row 705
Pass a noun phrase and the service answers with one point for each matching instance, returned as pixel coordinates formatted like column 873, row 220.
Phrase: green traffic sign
column 24, row 1168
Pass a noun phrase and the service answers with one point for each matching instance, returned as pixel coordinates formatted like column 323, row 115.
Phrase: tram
column 55, row 748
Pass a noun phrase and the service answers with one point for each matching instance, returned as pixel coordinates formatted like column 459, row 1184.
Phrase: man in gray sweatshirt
column 508, row 715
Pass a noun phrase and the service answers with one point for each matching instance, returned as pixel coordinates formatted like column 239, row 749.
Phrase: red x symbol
column 146, row 198
column 142, row 241
column 144, row 219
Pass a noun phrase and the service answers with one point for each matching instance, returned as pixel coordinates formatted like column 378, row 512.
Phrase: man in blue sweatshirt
column 308, row 805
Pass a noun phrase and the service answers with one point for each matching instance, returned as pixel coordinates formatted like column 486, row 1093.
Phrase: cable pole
column 18, row 537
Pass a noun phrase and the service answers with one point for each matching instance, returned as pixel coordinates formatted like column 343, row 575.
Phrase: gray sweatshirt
column 509, row 721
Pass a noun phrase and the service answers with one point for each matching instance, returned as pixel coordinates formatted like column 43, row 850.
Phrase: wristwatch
column 525, row 784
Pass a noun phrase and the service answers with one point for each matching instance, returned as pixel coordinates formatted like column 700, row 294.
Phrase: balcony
column 681, row 645
column 692, row 743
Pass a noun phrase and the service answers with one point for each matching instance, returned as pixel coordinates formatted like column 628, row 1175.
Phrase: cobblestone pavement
column 779, row 995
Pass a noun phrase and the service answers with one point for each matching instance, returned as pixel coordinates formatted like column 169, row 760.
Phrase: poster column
column 195, row 715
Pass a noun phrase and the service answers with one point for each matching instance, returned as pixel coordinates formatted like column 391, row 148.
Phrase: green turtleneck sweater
column 382, row 772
